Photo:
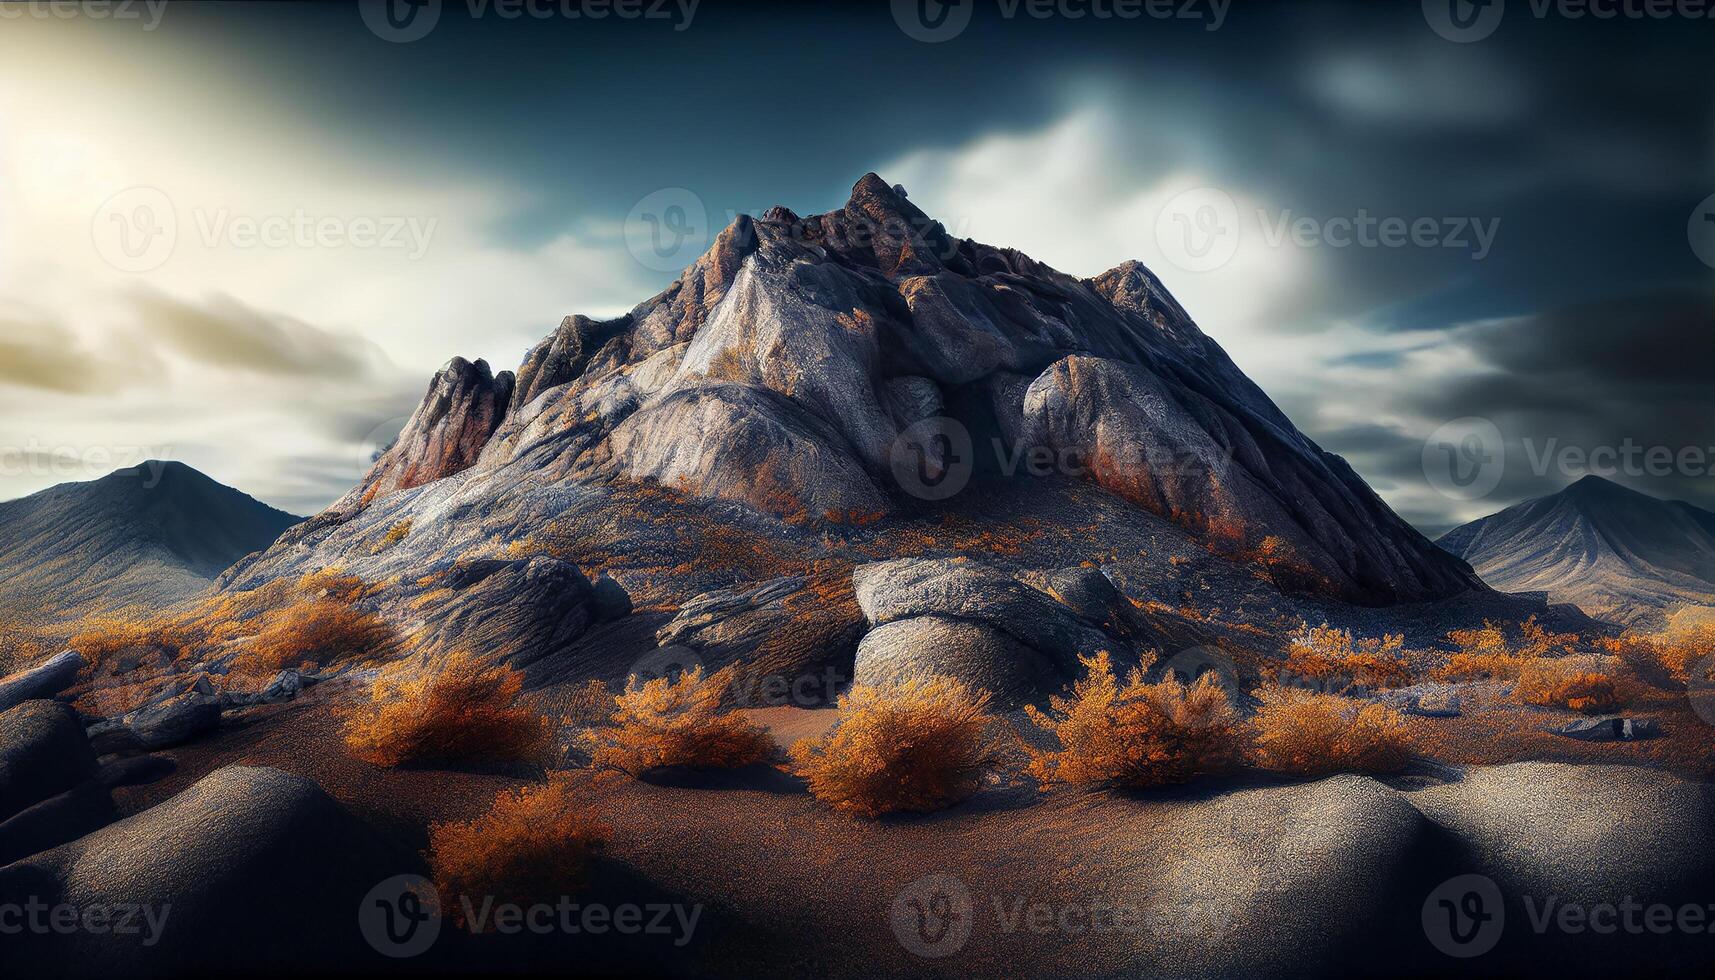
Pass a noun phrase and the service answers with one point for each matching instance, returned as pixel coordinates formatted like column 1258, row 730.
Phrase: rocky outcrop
column 782, row 628
column 465, row 403
column 515, row 610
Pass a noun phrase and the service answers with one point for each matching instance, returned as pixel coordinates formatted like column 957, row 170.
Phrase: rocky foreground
column 260, row 864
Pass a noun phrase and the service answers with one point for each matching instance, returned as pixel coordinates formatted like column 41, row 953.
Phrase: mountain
column 817, row 393
column 1615, row 553
column 151, row 534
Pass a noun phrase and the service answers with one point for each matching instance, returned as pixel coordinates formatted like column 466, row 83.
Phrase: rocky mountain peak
column 463, row 406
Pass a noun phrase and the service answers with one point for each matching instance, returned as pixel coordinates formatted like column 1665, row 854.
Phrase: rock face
column 516, row 610
column 156, row 533
column 1617, row 554
column 237, row 855
column 783, row 368
column 779, row 628
column 464, row 405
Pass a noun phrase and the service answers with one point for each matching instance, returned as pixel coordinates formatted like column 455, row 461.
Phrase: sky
column 1474, row 260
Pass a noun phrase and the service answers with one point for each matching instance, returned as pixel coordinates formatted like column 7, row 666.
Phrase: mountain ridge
column 149, row 534
column 1616, row 553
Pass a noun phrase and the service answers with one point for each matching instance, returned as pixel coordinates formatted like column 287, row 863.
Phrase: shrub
column 1486, row 652
column 533, row 845
column 916, row 746
column 315, row 633
column 1315, row 734
column 1334, row 661
column 394, row 535
column 1667, row 658
column 666, row 722
column 457, row 711
column 1136, row 734
column 1566, row 683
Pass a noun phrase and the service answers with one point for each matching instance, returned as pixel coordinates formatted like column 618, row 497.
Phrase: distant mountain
column 1615, row 553
column 152, row 534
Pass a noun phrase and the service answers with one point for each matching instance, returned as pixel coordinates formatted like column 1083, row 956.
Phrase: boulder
column 780, row 628
column 609, row 600
column 43, row 752
column 174, row 721
column 1427, row 700
column 43, row 681
column 975, row 653
column 1611, row 728
column 242, row 867
column 56, row 820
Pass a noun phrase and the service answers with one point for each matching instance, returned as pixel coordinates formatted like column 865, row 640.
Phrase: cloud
column 40, row 353
column 224, row 332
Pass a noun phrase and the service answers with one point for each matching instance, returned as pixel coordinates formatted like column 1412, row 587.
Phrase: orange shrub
column 667, row 722
column 458, row 710
column 1335, row 661
column 1667, row 658
column 1315, row 734
column 1566, row 683
column 533, row 845
column 315, row 632
column 101, row 639
column 917, row 746
column 1136, row 734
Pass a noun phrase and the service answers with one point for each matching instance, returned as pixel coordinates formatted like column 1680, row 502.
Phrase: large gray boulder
column 248, row 866
column 974, row 621
column 43, row 681
column 43, row 752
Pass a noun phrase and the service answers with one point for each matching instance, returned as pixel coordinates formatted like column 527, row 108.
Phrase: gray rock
column 237, row 855
column 775, row 629
column 175, row 721
column 465, row 403
column 1427, row 700
column 977, row 654
column 1611, row 728
column 42, row 681
column 609, row 600
column 43, row 752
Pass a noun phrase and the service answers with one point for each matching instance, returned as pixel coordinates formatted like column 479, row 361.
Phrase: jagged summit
column 1616, row 553
column 785, row 370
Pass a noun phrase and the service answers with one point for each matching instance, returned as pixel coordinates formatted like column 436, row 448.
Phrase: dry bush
column 1488, row 653
column 533, row 845
column 1667, row 658
column 394, row 535
column 101, row 639
column 1313, row 734
column 918, row 746
column 1333, row 660
column 1136, row 734
column 315, row 633
column 1572, row 683
column 458, row 710
column 666, row 722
